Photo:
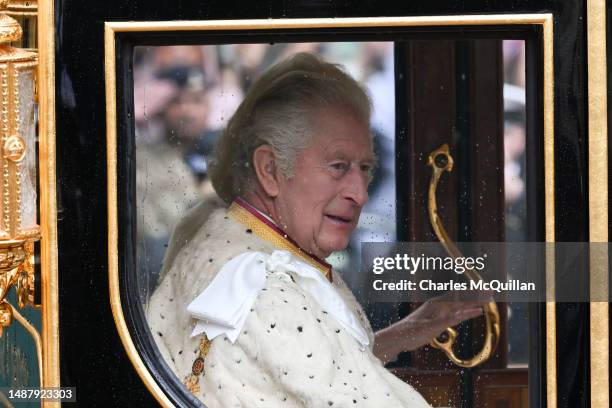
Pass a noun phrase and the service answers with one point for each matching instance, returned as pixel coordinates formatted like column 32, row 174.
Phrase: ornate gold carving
column 33, row 232
column 10, row 30
column 16, row 117
column 30, row 234
column 10, row 54
column 14, row 148
column 25, row 289
column 25, row 281
column 4, row 111
column 16, row 256
column 12, row 260
column 11, row 256
column 17, row 269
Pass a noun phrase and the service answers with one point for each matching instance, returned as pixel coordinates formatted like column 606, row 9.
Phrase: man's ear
column 264, row 161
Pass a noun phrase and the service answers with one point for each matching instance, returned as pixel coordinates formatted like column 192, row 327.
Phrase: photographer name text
column 429, row 285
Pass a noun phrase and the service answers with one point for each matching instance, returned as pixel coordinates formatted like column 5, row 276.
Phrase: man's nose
column 356, row 188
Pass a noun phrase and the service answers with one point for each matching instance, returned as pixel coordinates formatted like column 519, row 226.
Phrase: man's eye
column 339, row 166
column 366, row 168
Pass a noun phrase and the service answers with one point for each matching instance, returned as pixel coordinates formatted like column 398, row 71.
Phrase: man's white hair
column 279, row 110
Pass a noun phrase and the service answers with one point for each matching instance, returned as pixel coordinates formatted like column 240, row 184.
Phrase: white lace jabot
column 223, row 307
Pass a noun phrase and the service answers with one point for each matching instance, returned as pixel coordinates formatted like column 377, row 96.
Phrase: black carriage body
column 93, row 358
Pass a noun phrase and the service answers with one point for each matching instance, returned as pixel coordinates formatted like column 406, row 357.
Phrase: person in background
column 171, row 165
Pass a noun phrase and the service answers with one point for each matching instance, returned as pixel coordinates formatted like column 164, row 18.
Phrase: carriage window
column 468, row 94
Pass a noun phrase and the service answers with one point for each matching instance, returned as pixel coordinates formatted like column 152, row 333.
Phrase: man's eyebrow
column 340, row 155
column 370, row 158
column 336, row 154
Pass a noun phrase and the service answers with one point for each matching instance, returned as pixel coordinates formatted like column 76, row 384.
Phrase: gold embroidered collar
column 260, row 225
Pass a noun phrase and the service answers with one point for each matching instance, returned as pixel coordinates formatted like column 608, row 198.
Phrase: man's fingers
column 466, row 314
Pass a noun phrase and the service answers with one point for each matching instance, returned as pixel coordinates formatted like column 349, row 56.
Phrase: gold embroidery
column 192, row 381
column 198, row 366
column 265, row 232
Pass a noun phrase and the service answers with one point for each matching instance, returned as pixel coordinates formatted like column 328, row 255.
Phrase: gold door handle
column 440, row 161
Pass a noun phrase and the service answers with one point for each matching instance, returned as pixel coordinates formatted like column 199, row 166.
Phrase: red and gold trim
column 254, row 220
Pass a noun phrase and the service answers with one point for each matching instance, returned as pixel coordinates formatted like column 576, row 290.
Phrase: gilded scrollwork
column 16, row 269
column 26, row 278
column 10, row 30
column 11, row 257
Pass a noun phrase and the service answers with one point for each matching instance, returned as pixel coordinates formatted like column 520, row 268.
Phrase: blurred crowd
column 515, row 139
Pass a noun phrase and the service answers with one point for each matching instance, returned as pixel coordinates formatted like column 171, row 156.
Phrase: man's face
column 320, row 205
column 187, row 115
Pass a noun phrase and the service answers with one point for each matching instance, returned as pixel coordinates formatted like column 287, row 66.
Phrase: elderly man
column 248, row 313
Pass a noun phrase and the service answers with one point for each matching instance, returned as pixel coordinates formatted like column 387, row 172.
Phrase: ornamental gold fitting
column 21, row 7
column 10, row 30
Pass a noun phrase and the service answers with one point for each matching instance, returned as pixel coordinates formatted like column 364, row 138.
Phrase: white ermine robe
column 289, row 351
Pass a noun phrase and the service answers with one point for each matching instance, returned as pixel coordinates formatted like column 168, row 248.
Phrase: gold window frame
column 598, row 202
column 545, row 20
column 45, row 90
